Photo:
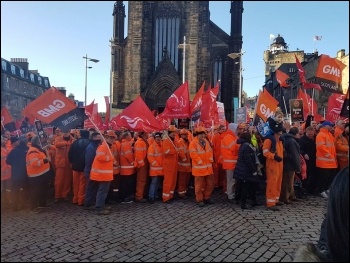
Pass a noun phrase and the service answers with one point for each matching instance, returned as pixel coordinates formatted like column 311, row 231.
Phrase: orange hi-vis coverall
column 202, row 170
column 102, row 167
column 219, row 172
column 64, row 174
column 184, row 168
column 142, row 166
column 342, row 149
column 5, row 168
column 170, row 167
column 155, row 159
column 325, row 150
column 126, row 158
column 274, row 172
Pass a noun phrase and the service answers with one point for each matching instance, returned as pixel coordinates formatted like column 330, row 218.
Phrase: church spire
column 118, row 22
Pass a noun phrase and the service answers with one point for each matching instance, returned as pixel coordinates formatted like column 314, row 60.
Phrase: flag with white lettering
column 329, row 74
column 52, row 107
column 265, row 106
column 335, row 106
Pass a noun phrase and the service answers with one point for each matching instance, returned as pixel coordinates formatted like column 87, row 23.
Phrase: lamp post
column 234, row 56
column 86, row 67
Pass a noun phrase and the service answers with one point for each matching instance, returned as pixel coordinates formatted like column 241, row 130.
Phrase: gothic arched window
column 217, row 72
column 167, row 33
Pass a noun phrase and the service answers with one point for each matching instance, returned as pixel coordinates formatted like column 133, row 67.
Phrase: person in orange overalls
column 342, row 148
column 274, row 170
column 142, row 166
column 127, row 169
column 64, row 174
column 202, row 157
column 219, row 172
column 170, row 165
column 184, row 168
column 155, row 159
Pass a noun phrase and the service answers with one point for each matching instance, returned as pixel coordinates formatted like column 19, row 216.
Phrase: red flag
column 137, row 117
column 6, row 120
column 301, row 72
column 209, row 110
column 108, row 111
column 178, row 104
column 303, row 96
column 335, row 104
column 197, row 100
column 52, row 107
column 281, row 78
column 90, row 112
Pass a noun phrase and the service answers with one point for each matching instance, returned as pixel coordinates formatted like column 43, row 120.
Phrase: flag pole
column 312, row 99
column 285, row 105
column 103, row 138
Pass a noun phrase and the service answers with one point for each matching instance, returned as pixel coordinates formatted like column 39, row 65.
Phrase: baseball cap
column 158, row 135
column 327, row 123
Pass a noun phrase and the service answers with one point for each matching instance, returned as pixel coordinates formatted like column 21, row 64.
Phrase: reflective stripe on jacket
column 5, row 168
column 127, row 158
column 202, row 158
column 35, row 162
column 325, row 150
column 102, row 167
column 155, row 159
column 229, row 150
column 184, row 161
column 116, row 153
column 140, row 152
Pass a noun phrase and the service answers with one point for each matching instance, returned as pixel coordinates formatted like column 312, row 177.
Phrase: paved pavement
column 177, row 232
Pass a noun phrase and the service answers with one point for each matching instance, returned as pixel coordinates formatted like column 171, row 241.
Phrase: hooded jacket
column 246, row 162
column 291, row 156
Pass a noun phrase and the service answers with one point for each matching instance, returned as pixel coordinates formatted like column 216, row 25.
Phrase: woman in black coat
column 246, row 170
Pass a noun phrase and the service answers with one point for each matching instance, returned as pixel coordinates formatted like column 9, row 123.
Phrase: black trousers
column 324, row 179
column 19, row 193
column 127, row 186
column 247, row 190
column 38, row 189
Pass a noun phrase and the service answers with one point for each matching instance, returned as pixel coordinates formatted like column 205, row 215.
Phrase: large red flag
column 345, row 108
column 197, row 100
column 301, row 72
column 52, row 107
column 6, row 120
column 137, row 117
column 335, row 104
column 178, row 104
column 209, row 112
column 108, row 111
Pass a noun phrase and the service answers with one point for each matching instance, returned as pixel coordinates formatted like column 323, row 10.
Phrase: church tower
column 149, row 61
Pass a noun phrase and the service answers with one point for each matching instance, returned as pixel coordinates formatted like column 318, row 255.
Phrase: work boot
column 209, row 201
column 279, row 203
column 200, row 204
column 142, row 200
column 103, row 212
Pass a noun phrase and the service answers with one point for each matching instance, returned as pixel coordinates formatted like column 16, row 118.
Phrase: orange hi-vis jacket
column 184, row 156
column 229, row 150
column 116, row 153
column 5, row 168
column 216, row 142
column 62, row 149
column 150, row 140
column 169, row 152
column 337, row 132
column 9, row 145
column 140, row 152
column 102, row 167
column 127, row 158
column 342, row 149
column 35, row 162
column 202, row 158
column 155, row 159
column 325, row 150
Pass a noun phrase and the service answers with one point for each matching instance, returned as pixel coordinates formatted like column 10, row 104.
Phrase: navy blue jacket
column 76, row 154
column 291, row 155
column 90, row 154
column 246, row 163
column 17, row 159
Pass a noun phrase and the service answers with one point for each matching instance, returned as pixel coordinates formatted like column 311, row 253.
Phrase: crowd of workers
column 92, row 169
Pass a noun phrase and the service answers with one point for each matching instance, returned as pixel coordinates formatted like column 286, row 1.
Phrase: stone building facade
column 279, row 57
column 149, row 62
column 20, row 86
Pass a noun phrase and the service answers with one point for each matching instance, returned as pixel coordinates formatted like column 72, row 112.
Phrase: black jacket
column 17, row 159
column 291, row 155
column 308, row 146
column 90, row 154
column 246, row 162
column 76, row 154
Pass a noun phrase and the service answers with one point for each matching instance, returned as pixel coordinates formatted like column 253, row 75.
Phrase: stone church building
column 149, row 61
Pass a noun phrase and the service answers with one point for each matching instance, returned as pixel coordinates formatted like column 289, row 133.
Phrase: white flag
column 272, row 36
column 317, row 38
